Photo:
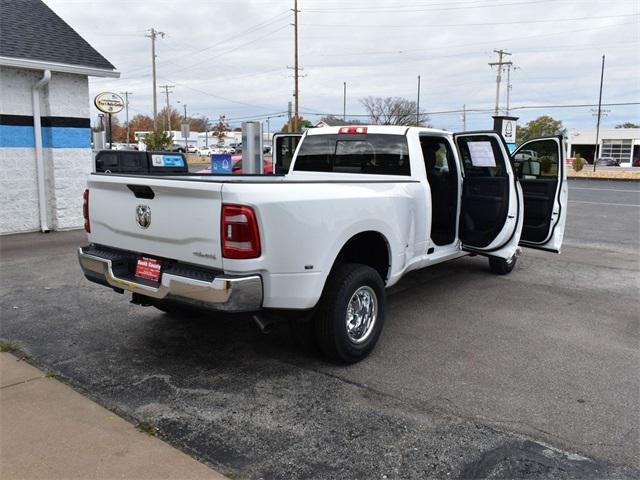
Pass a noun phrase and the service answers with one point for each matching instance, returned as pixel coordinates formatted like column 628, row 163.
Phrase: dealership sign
column 108, row 102
column 509, row 130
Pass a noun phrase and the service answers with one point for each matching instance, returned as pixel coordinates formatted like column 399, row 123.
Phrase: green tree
column 158, row 141
column 172, row 116
column 628, row 125
column 303, row 124
column 544, row 126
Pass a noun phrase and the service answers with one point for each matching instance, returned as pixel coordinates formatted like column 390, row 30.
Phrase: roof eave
column 58, row 67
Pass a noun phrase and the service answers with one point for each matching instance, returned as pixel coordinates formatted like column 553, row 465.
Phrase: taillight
column 85, row 211
column 351, row 130
column 239, row 232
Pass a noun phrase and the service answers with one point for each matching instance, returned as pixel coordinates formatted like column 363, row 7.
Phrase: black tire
column 500, row 266
column 330, row 320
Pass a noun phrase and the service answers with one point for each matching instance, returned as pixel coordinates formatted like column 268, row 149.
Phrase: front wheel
column 500, row 266
column 351, row 314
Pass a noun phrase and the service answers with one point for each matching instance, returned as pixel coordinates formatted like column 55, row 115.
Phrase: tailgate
column 159, row 217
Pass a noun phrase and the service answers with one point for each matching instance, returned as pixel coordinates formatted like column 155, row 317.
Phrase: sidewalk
column 48, row 430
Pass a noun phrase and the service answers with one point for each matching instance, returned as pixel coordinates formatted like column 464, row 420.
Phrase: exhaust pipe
column 264, row 324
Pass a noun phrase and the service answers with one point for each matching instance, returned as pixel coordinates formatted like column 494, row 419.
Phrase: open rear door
column 540, row 166
column 491, row 209
column 283, row 147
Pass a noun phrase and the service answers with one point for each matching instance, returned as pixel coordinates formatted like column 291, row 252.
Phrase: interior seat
column 441, row 202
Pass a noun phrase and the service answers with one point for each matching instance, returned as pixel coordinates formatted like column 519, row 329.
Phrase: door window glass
column 537, row 160
column 481, row 156
column 378, row 154
column 284, row 150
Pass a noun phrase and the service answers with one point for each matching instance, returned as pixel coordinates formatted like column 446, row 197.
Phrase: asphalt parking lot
column 533, row 375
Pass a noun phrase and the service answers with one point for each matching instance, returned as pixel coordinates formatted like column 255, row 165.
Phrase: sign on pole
column 109, row 102
column 185, row 130
column 509, row 130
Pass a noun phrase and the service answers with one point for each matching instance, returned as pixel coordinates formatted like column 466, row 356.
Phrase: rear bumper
column 208, row 290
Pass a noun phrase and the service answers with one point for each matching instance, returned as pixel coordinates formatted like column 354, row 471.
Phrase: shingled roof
column 30, row 30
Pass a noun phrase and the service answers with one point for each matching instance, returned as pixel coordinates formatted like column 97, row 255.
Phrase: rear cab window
column 371, row 153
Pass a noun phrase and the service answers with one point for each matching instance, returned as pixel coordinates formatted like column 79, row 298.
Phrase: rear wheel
column 351, row 314
column 500, row 266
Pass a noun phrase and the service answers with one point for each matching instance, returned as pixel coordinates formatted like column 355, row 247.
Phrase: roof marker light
column 351, row 130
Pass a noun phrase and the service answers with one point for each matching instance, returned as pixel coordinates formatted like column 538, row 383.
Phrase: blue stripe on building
column 20, row 136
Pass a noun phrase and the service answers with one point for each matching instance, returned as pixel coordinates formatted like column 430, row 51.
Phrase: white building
column 45, row 134
column 623, row 144
column 176, row 135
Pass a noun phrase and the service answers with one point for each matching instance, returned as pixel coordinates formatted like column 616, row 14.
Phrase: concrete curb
column 612, row 179
column 51, row 431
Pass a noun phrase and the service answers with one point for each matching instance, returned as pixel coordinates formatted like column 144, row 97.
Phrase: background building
column 623, row 144
column 45, row 135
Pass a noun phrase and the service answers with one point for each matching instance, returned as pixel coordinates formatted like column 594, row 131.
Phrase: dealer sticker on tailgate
column 148, row 268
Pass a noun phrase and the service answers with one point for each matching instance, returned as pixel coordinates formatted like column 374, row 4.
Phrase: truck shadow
column 217, row 340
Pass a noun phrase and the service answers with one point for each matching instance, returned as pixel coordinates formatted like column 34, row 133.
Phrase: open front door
column 540, row 166
column 491, row 209
column 283, row 147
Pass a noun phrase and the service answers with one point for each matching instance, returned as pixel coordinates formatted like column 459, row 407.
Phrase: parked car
column 140, row 163
column 176, row 147
column 204, row 151
column 192, row 149
column 358, row 209
column 608, row 161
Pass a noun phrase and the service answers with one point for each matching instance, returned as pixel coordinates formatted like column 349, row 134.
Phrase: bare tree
column 393, row 111
column 220, row 129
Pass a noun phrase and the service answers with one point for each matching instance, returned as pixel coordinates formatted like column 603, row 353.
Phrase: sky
column 233, row 57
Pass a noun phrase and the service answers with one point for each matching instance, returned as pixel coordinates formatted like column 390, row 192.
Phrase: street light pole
column 595, row 154
column 344, row 103
column 418, row 105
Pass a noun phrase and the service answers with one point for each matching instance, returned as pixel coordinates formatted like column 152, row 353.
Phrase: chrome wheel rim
column 362, row 311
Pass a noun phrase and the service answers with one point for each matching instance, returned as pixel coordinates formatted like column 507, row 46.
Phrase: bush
column 158, row 141
column 578, row 163
column 545, row 164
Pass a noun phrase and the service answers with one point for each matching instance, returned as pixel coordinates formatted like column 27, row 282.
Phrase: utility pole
column 186, row 137
column 167, row 117
column 344, row 102
column 595, row 154
column 153, row 33
column 126, row 111
column 464, row 118
column 418, row 105
column 296, row 93
column 289, row 116
column 501, row 53
column 509, row 85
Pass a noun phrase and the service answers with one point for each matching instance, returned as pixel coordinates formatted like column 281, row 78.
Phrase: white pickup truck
column 357, row 209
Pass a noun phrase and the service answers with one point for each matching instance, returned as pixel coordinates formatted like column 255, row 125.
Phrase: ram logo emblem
column 143, row 215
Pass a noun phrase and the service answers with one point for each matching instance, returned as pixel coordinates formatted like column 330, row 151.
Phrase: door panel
column 490, row 214
column 541, row 168
column 283, row 147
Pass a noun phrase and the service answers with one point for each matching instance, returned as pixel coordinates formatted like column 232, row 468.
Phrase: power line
column 487, row 110
column 435, row 25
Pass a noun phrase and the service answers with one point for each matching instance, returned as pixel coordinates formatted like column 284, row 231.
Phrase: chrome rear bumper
column 226, row 293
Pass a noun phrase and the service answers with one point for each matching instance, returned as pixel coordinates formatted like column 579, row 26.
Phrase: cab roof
column 380, row 129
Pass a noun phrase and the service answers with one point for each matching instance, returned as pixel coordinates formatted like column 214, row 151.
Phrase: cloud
column 231, row 56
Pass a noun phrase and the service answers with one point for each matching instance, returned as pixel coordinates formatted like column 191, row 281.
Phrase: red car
column 236, row 169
